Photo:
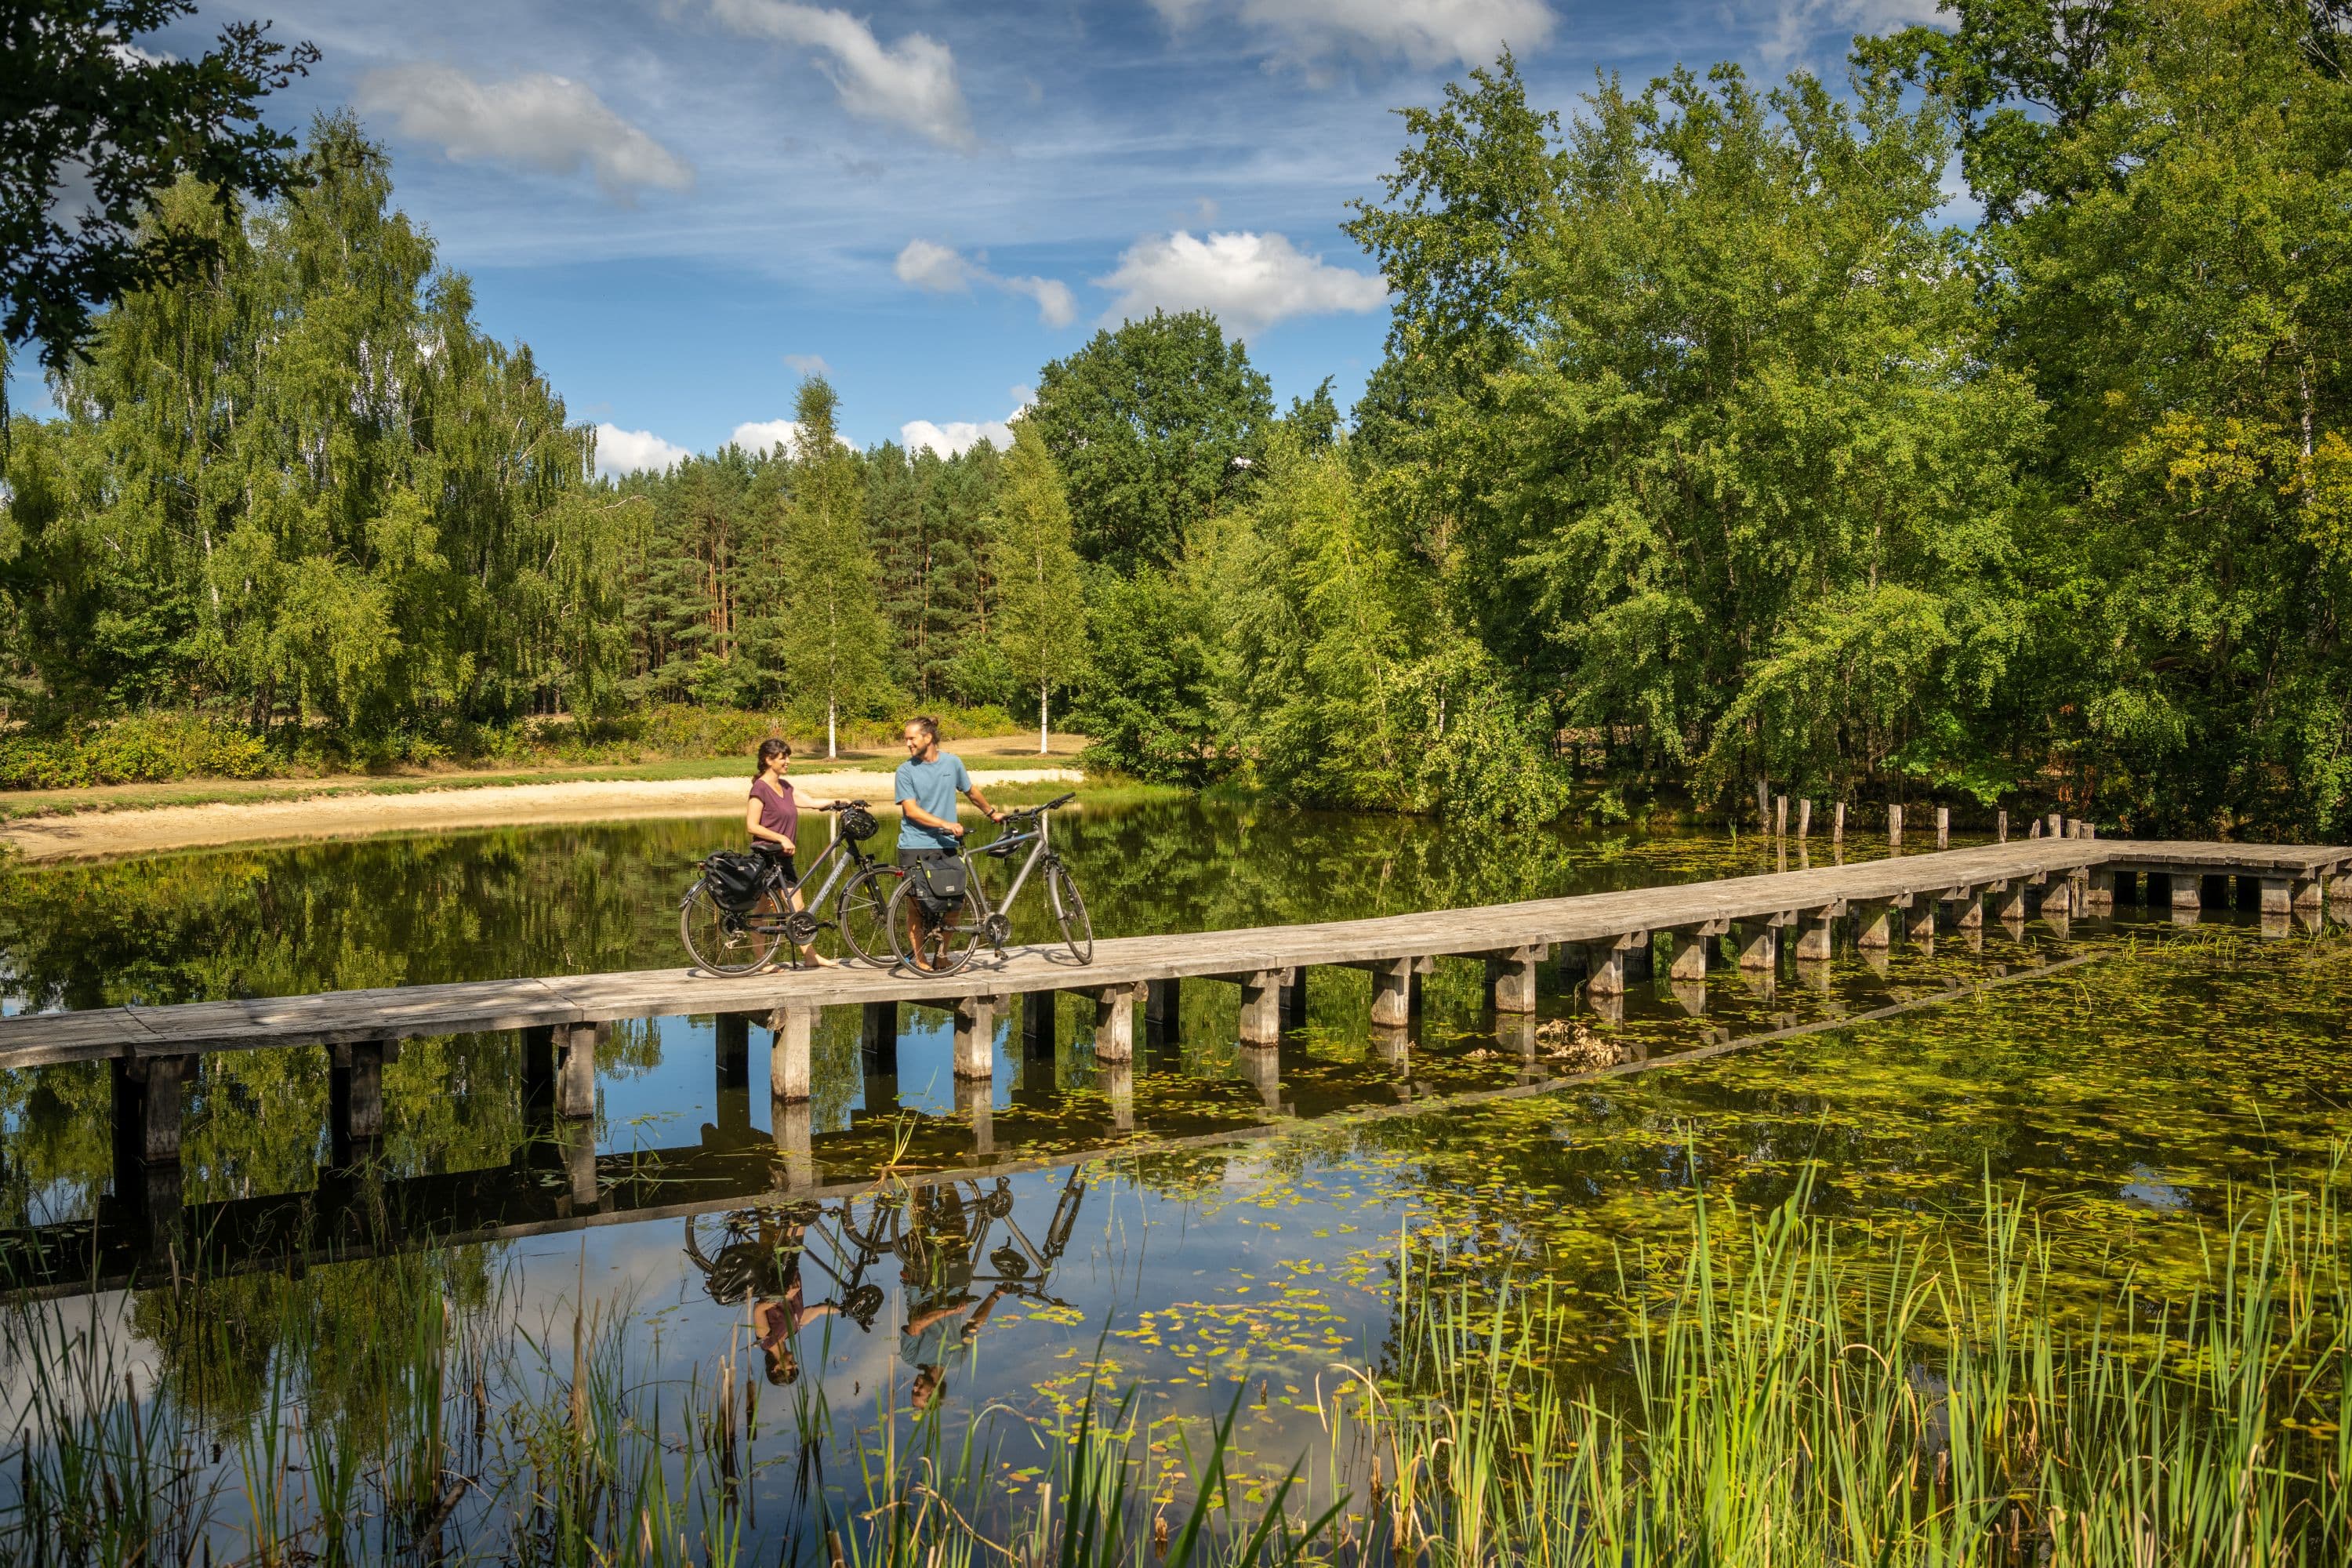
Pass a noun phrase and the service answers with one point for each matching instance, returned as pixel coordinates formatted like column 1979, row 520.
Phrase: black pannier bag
column 938, row 883
column 736, row 881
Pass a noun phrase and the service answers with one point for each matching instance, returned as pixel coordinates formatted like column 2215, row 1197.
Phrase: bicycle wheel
column 862, row 915
column 724, row 943
column 1077, row 927
column 929, row 946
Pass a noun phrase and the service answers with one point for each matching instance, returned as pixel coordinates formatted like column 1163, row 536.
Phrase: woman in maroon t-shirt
column 772, row 816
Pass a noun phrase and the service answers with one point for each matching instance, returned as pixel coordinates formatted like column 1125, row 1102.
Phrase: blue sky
column 683, row 206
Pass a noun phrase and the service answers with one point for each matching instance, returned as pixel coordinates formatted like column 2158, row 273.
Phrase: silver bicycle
column 939, row 936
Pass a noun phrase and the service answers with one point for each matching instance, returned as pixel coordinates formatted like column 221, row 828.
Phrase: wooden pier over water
column 1607, row 939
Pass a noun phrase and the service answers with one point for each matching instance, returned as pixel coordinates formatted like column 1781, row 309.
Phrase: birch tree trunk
column 831, row 709
column 1041, row 719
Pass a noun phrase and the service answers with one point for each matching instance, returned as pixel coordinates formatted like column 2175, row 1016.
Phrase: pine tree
column 1041, row 616
column 832, row 641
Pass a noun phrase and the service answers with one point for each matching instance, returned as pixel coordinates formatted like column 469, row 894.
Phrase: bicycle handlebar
column 1054, row 805
column 843, row 805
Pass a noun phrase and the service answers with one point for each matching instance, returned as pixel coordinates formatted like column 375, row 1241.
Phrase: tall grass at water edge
column 1784, row 1398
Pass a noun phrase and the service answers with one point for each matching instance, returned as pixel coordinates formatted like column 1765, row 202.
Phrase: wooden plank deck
column 352, row 1018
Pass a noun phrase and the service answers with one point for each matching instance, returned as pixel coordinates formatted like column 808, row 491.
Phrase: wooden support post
column 1115, row 1009
column 2008, row 902
column 1943, row 828
column 1968, row 910
column 1805, row 817
column 1037, row 1024
column 1760, row 945
column 731, row 1051
column 1779, row 817
column 2099, row 891
column 878, row 1038
column 1605, row 968
column 1293, row 1000
column 793, row 1026
column 975, row 1036
column 538, row 1068
column 148, row 1094
column 1919, row 921
column 2000, row 825
column 1837, row 824
column 2278, row 895
column 2033, row 828
column 791, row 1128
column 1261, row 1021
column 1763, row 806
column 1392, row 990
column 355, row 1098
column 1165, row 1007
column 576, row 1071
column 1511, row 978
column 1690, row 950
column 1873, row 924
column 2305, row 896
column 2057, row 825
column 1895, row 827
column 1815, row 930
column 2074, row 828
column 2188, row 892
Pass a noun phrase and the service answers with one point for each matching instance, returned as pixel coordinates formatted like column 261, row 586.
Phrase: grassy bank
column 1792, row 1392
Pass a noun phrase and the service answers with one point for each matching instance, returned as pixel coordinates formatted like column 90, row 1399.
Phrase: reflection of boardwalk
column 1609, row 937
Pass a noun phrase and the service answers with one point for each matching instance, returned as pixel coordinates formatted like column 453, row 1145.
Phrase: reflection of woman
column 772, row 816
column 777, row 1320
column 930, row 1337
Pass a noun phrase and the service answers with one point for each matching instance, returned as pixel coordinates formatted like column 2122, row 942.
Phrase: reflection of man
column 930, row 1337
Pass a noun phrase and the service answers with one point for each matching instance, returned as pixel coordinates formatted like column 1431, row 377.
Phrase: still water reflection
column 967, row 1251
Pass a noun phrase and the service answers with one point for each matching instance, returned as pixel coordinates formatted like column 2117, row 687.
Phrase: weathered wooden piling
column 1115, row 1010
column 975, row 1036
column 1873, row 924
column 2000, row 825
column 1837, row 824
column 1261, row 1021
column 1511, row 977
column 1805, row 819
column 1943, row 828
column 788, row 1053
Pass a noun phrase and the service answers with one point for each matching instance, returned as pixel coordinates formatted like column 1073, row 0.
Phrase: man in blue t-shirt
column 927, row 785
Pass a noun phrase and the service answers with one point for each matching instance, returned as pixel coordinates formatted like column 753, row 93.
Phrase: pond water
column 1200, row 1229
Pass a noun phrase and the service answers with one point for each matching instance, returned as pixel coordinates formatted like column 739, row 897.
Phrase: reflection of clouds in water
column 2148, row 1189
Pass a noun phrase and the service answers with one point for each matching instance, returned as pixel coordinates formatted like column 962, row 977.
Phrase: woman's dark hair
column 770, row 750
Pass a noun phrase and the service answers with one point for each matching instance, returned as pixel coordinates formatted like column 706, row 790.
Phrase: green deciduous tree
column 93, row 127
column 831, row 637
column 1146, row 424
column 1041, row 612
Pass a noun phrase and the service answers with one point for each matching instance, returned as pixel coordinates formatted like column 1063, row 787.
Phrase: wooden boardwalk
column 1611, row 937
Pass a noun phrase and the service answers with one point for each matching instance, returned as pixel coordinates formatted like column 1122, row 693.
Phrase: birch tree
column 1041, row 616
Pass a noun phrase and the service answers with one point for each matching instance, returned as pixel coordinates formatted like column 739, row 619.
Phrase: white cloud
column 808, row 365
column 1249, row 280
column 955, row 436
column 620, row 452
column 937, row 269
column 761, row 435
column 536, row 121
column 1423, row 32
column 934, row 268
column 912, row 82
column 1800, row 28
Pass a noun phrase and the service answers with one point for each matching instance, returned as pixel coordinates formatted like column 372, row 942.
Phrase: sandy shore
column 101, row 832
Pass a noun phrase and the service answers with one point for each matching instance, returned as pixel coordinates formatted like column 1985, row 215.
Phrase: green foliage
column 1150, row 704
column 831, row 638
column 83, row 105
column 1040, row 614
column 143, row 748
column 1146, row 424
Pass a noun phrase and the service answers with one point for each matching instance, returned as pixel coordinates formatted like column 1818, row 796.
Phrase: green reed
column 1792, row 1391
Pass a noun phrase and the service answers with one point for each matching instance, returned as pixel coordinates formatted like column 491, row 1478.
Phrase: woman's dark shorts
column 769, row 852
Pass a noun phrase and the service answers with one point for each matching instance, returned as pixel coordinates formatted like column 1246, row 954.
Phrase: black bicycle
column 938, row 936
column 741, row 906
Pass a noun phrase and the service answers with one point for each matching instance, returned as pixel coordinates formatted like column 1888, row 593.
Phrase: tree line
column 1706, row 447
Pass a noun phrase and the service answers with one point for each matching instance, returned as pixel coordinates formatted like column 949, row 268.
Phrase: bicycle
column 739, row 908
column 949, row 943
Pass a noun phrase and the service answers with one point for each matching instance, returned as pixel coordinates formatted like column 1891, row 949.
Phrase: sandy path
column 97, row 833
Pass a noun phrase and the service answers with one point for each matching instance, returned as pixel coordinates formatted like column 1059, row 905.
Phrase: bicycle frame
column 846, row 854
column 1039, row 850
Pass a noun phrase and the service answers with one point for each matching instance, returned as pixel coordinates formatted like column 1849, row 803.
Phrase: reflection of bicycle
column 740, row 907
column 939, row 936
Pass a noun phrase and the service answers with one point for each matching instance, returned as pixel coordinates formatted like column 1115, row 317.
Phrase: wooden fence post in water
column 2000, row 825
column 788, row 1056
column 1805, row 819
column 975, row 1036
column 1943, row 828
column 1779, row 817
column 2057, row 825
column 1763, row 806
column 1837, row 824
column 1894, row 827
column 576, row 1071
